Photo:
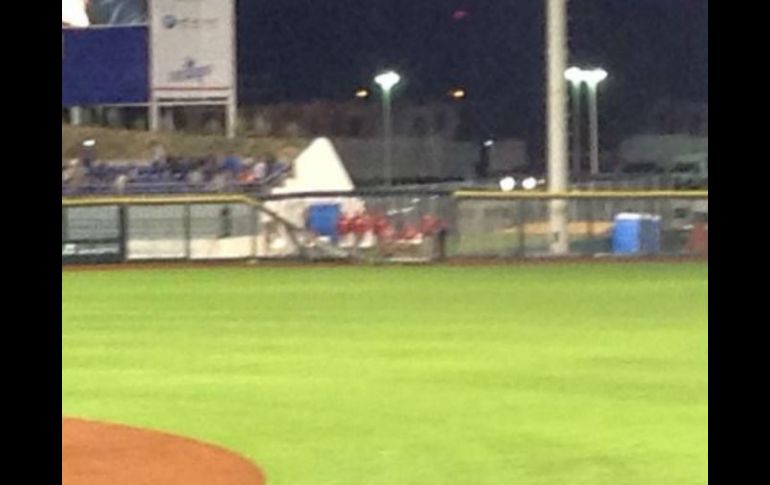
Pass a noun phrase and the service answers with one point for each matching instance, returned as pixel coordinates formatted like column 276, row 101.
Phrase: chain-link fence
column 381, row 226
column 642, row 224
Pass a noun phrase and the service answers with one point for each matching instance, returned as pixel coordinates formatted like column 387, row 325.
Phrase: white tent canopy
column 317, row 169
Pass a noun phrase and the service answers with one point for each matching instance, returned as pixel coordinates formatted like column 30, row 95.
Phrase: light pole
column 575, row 77
column 592, row 78
column 556, row 115
column 386, row 81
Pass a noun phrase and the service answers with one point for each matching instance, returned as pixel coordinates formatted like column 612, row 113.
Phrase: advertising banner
column 91, row 251
column 192, row 48
column 104, row 66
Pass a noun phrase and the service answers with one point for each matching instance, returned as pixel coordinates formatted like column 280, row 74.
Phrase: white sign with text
column 192, row 48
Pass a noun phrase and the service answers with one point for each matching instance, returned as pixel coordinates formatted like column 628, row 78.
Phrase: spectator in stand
column 76, row 174
column 208, row 173
column 270, row 165
column 97, row 172
column 246, row 175
column 174, row 166
column 132, row 174
column 231, row 163
column 284, row 166
column 195, row 176
column 260, row 170
column 275, row 168
column 209, row 167
column 216, row 183
column 119, row 185
column 159, row 153
column 222, row 178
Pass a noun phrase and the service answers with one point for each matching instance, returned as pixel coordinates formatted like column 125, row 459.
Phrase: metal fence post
column 123, row 231
column 522, row 229
column 187, row 224
column 591, row 217
column 254, row 230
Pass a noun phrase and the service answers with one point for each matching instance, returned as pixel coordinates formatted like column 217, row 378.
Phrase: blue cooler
column 323, row 218
column 636, row 234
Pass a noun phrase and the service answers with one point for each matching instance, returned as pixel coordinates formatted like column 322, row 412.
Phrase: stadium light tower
column 592, row 78
column 575, row 77
column 556, row 100
column 386, row 81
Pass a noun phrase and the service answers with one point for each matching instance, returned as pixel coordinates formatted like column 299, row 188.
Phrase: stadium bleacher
column 172, row 175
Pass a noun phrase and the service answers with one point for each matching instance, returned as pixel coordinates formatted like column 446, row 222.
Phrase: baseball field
column 579, row 374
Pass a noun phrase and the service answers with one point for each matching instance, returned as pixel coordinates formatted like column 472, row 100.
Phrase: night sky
column 297, row 50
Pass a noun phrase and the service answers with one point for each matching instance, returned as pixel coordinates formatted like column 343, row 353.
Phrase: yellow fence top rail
column 80, row 201
column 603, row 194
column 156, row 199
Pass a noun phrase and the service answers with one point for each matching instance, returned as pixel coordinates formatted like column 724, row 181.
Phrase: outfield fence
column 376, row 226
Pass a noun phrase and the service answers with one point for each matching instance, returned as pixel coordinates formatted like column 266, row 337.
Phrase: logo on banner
column 191, row 71
column 171, row 21
column 69, row 250
column 90, row 249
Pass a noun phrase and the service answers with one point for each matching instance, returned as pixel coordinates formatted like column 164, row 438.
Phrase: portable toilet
column 636, row 234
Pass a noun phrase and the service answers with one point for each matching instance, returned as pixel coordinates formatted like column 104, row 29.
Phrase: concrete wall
column 426, row 157
column 353, row 119
column 662, row 149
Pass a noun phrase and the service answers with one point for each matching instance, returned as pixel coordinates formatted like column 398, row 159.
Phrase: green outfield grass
column 540, row 374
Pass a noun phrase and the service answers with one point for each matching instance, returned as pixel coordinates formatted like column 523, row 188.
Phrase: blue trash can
column 323, row 219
